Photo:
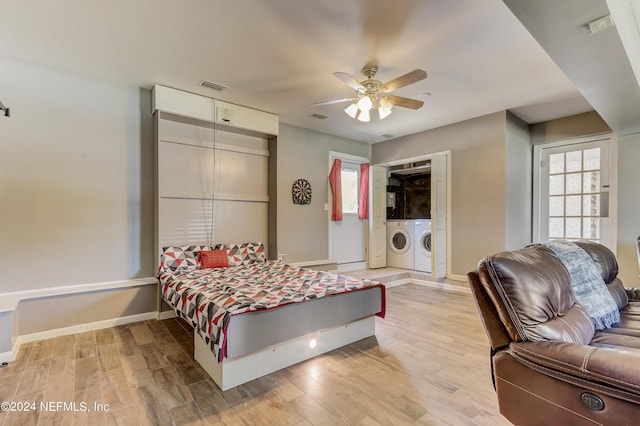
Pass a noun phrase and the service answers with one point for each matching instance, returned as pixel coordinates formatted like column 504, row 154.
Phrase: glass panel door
column 574, row 192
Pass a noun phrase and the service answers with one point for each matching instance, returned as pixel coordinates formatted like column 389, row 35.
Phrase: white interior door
column 348, row 235
column 439, row 215
column 378, row 217
column 573, row 195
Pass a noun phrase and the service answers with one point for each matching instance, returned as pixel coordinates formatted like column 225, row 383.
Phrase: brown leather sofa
column 549, row 365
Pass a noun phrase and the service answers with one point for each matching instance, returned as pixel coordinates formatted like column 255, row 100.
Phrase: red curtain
column 363, row 201
column 336, row 190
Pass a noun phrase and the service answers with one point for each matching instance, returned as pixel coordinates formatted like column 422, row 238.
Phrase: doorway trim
column 613, row 182
column 424, row 157
column 352, row 159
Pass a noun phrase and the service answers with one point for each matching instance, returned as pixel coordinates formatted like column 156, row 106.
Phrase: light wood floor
column 427, row 365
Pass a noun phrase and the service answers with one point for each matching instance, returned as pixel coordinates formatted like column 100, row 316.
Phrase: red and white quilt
column 207, row 298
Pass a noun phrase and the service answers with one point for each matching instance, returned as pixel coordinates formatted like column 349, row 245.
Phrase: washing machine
column 400, row 235
column 422, row 251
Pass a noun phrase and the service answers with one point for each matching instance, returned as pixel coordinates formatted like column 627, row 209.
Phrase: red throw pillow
column 214, row 259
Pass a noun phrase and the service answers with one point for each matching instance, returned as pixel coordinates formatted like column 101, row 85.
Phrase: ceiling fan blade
column 405, row 80
column 405, row 102
column 350, row 81
column 334, row 101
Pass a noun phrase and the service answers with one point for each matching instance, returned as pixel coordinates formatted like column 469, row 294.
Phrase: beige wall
column 518, row 184
column 477, row 182
column 77, row 309
column 301, row 153
column 589, row 123
column 6, row 331
column 75, row 180
column 628, row 208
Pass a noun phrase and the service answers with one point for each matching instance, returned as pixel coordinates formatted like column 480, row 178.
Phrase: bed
column 252, row 316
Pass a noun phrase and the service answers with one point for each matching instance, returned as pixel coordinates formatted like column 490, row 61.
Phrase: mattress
column 209, row 298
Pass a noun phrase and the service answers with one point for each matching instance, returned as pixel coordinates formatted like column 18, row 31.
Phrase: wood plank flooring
column 427, row 365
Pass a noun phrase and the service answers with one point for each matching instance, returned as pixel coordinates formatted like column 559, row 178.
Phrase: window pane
column 591, row 228
column 573, row 227
column 592, row 159
column 556, row 185
column 349, row 191
column 591, row 205
column 556, row 227
column 574, row 161
column 573, row 183
column 556, row 163
column 556, row 206
column 591, row 182
column 573, row 205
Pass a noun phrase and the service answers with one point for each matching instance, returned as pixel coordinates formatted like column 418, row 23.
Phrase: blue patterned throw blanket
column 587, row 283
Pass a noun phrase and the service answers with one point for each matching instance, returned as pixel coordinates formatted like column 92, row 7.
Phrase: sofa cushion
column 604, row 259
column 632, row 309
column 535, row 296
column 617, row 337
column 619, row 294
column 587, row 283
column 629, row 326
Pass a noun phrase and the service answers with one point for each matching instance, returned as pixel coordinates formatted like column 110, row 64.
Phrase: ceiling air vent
column 212, row 85
column 319, row 116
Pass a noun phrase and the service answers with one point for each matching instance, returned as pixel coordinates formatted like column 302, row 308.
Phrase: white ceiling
column 279, row 55
column 604, row 65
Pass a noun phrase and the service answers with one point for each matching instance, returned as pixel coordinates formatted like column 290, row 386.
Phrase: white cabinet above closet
column 187, row 104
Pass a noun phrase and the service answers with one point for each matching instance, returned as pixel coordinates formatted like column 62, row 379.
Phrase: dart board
column 301, row 192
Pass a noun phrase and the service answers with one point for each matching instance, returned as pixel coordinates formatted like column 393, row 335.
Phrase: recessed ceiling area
column 279, row 56
column 597, row 62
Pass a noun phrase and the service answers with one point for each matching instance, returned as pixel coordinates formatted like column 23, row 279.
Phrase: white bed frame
column 262, row 342
column 199, row 183
column 242, row 369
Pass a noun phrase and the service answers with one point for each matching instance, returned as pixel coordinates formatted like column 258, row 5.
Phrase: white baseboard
column 455, row 277
column 311, row 263
column 79, row 328
column 166, row 315
column 397, row 282
column 355, row 266
column 441, row 286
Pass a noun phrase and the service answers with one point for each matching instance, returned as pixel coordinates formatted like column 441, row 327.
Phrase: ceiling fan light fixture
column 364, row 115
column 373, row 94
column 352, row 110
column 365, row 103
column 384, row 112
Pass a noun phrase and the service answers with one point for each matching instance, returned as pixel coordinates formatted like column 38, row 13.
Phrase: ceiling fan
column 372, row 93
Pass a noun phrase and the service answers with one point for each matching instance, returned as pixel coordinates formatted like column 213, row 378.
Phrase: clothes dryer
column 422, row 251
column 400, row 251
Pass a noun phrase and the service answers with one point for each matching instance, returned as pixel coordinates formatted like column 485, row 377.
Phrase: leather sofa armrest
column 613, row 367
column 633, row 293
